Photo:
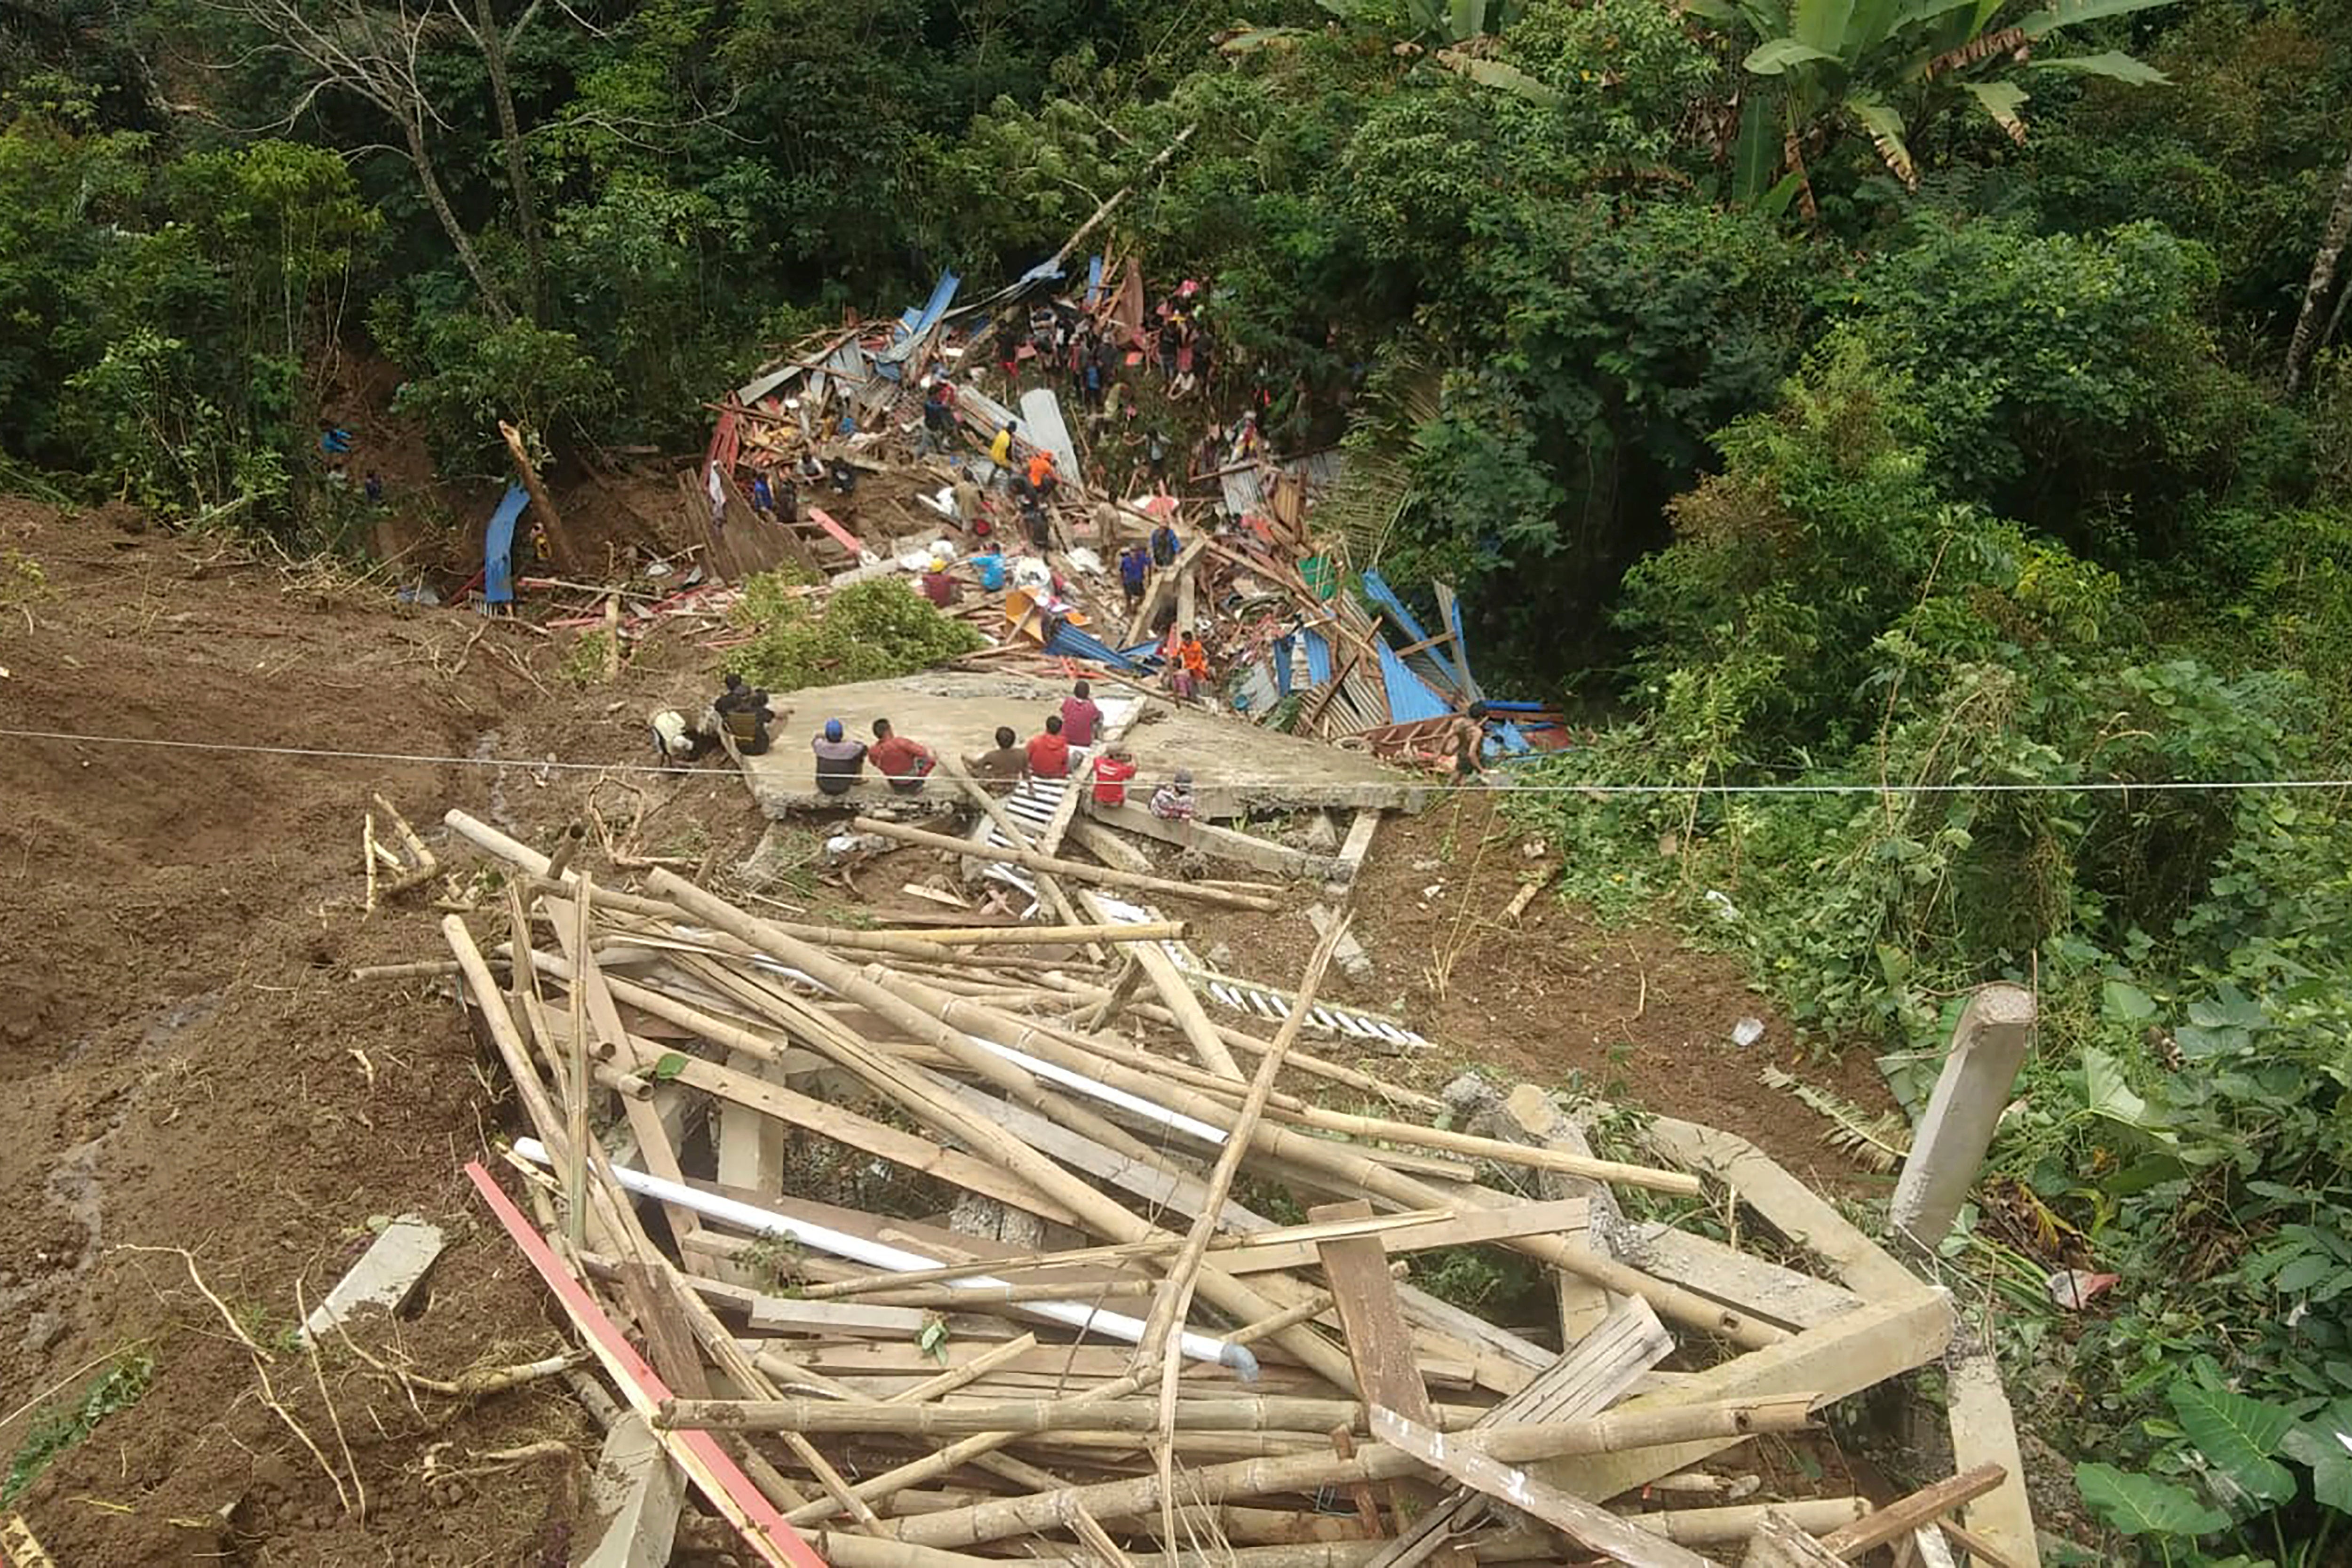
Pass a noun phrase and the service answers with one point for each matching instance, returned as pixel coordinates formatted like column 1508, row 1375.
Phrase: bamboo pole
column 1248, row 1412
column 1097, row 1210
column 1100, row 876
column 1039, row 936
column 1140, row 1496
column 575, row 1218
column 1176, row 1299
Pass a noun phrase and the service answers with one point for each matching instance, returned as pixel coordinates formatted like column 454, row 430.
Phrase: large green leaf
column 1756, row 151
column 2110, row 63
column 1722, row 13
column 1503, row 78
column 1886, row 127
column 2106, row 1093
column 1825, row 25
column 1775, row 55
column 2325, row 1443
column 2142, row 1505
column 2074, row 13
column 2238, row 1437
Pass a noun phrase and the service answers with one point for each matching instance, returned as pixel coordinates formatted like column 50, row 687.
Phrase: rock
column 1219, row 957
column 1470, row 1099
column 44, row 1329
column 1322, row 834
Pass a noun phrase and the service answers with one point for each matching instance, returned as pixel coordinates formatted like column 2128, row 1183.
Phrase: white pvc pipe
column 881, row 1255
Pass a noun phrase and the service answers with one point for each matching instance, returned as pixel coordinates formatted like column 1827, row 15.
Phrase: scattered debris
column 387, row 1275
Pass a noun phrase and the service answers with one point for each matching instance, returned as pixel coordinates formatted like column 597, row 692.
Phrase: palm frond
column 1885, row 129
column 1877, row 1141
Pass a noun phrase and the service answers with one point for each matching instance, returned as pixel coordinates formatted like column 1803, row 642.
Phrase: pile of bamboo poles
column 1074, row 1339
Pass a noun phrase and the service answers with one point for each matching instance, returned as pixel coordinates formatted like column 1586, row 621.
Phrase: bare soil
column 191, row 1066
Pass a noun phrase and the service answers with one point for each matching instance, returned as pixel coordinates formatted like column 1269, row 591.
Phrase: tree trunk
column 2322, row 278
column 494, row 60
column 413, row 126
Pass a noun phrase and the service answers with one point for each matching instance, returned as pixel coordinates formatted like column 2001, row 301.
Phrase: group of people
column 742, row 713
column 1066, row 742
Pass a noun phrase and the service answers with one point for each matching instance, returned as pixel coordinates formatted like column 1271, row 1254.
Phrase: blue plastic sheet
column 1072, row 643
column 498, row 547
column 1410, row 697
column 914, row 324
column 1375, row 587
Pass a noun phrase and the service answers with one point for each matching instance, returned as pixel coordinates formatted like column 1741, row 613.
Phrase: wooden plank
column 1379, row 1341
column 1792, row 1208
column 706, row 1464
column 1759, row 1288
column 1177, row 996
column 1586, row 1525
column 1984, row 1432
column 668, row 1345
column 1865, row 1347
column 1357, row 845
column 1907, row 1515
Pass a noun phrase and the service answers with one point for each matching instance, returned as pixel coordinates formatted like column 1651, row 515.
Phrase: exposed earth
column 193, row 1067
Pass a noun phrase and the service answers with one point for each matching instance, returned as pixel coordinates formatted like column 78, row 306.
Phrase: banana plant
column 1448, row 21
column 1819, row 66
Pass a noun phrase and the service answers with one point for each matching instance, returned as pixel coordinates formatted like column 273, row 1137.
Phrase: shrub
column 868, row 631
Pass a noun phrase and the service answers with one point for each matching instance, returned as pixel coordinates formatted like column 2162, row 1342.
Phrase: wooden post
column 1989, row 1045
column 543, row 505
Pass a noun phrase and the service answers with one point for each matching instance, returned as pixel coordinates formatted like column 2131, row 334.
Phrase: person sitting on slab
column 1112, row 770
column 905, row 764
column 1049, row 753
column 1079, row 716
column 840, row 761
column 1001, row 769
column 1173, row 801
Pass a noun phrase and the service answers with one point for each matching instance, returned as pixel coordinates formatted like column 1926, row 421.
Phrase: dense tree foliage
column 1885, row 393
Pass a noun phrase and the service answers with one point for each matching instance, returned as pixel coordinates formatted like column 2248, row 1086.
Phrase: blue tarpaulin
column 1282, row 664
column 498, row 547
column 1093, row 282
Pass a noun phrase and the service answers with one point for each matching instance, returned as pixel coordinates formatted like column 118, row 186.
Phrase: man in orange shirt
column 1041, row 473
column 1049, row 754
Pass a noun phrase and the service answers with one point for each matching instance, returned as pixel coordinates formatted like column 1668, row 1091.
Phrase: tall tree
column 372, row 54
column 494, row 42
column 2332, row 240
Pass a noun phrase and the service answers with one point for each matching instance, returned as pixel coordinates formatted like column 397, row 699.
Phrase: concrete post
column 1988, row 1047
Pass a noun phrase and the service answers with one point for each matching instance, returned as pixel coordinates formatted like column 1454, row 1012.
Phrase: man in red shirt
column 905, row 764
column 937, row 586
column 1079, row 716
column 1111, row 772
column 1049, row 754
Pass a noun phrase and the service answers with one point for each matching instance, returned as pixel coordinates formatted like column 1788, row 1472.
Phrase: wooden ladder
column 24, row 1550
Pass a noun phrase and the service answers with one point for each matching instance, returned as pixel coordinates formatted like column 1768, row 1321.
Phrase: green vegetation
column 868, row 631
column 59, row 1427
column 1948, row 398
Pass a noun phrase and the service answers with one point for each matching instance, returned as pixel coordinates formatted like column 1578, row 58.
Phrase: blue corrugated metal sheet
column 1318, row 657
column 1072, row 643
column 1410, row 697
column 1376, row 589
column 915, row 326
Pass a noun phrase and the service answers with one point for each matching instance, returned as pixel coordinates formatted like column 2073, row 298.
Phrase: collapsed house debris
column 916, row 1245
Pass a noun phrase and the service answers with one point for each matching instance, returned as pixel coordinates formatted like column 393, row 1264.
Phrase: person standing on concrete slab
column 1049, row 753
column 1079, row 716
column 1112, row 770
column 1164, row 545
column 1133, row 564
column 905, row 764
column 840, row 761
column 1001, row 769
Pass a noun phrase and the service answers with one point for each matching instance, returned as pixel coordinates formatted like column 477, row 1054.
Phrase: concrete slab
column 384, row 1277
column 1236, row 766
